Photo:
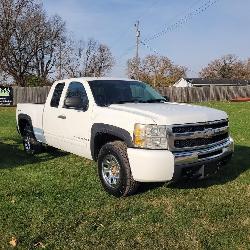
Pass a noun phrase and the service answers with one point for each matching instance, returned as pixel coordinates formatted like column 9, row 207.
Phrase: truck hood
column 171, row 113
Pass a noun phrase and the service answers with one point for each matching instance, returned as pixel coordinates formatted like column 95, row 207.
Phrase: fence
column 30, row 94
column 201, row 94
column 195, row 94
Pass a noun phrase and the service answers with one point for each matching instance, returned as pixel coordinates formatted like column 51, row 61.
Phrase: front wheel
column 114, row 170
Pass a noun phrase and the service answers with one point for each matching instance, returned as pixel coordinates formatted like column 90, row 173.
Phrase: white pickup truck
column 133, row 133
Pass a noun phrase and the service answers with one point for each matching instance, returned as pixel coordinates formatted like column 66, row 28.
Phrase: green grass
column 56, row 199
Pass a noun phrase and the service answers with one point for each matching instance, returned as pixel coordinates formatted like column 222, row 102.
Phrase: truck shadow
column 12, row 154
column 238, row 165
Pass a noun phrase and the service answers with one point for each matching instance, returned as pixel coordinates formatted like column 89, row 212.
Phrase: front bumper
column 163, row 165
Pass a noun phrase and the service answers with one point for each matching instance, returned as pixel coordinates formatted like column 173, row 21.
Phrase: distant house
column 203, row 82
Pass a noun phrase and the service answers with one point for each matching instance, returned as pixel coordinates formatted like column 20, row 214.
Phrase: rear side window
column 57, row 95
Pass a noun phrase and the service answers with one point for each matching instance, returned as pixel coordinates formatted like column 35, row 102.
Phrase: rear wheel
column 30, row 144
column 114, row 170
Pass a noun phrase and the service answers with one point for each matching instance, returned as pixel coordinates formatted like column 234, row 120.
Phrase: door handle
column 62, row 116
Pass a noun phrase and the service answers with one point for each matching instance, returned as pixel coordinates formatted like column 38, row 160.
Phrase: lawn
column 55, row 201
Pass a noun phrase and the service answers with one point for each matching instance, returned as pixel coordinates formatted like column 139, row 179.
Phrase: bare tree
column 79, row 59
column 228, row 66
column 5, row 78
column 49, row 36
column 34, row 46
column 17, row 23
column 28, row 40
column 155, row 70
column 101, row 62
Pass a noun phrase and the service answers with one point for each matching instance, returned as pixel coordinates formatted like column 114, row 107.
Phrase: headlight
column 150, row 136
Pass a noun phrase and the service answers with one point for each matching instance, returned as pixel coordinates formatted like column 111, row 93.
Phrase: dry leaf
column 13, row 242
column 39, row 244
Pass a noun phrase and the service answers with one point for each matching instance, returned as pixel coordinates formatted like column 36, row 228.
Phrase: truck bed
column 35, row 112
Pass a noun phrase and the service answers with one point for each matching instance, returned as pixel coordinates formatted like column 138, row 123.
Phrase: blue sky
column 221, row 29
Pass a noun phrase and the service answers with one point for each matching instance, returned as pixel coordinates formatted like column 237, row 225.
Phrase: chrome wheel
column 114, row 169
column 111, row 170
column 30, row 144
column 27, row 144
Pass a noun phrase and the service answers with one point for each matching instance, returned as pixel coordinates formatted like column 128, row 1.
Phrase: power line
column 153, row 49
column 138, row 41
column 134, row 47
column 130, row 48
column 174, row 26
column 190, row 7
column 141, row 16
column 183, row 20
column 150, row 48
column 126, row 52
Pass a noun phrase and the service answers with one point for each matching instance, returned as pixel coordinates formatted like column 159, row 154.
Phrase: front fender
column 101, row 128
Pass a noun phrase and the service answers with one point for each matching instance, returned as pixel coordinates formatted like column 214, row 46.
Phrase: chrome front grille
column 199, row 127
column 188, row 143
column 200, row 135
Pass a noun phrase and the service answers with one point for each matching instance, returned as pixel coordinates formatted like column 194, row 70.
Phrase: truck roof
column 97, row 78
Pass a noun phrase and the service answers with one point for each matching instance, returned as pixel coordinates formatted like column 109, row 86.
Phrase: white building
column 203, row 82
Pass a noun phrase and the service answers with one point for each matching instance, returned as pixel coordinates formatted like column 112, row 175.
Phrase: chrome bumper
column 204, row 155
column 202, row 163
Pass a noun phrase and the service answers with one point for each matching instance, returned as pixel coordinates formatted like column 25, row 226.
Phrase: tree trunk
column 20, row 81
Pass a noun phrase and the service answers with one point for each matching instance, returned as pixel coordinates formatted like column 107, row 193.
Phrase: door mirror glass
column 76, row 97
column 73, row 102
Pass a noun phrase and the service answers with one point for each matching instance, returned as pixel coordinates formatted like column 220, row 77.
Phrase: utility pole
column 138, row 34
column 60, row 60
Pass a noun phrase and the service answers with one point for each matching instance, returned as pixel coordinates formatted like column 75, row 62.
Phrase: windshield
column 107, row 92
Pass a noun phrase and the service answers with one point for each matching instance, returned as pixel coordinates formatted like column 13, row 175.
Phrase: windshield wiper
column 125, row 101
column 155, row 100
column 138, row 101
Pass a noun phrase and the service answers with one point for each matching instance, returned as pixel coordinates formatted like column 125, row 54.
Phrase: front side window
column 76, row 97
column 107, row 92
column 55, row 100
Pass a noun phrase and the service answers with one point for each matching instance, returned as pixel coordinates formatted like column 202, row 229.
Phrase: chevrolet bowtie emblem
column 208, row 133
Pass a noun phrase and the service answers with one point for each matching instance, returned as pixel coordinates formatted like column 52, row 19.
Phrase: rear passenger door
column 52, row 117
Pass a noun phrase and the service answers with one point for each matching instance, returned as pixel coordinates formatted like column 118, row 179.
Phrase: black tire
column 30, row 144
column 125, row 184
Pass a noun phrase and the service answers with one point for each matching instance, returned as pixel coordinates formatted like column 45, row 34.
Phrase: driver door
column 76, row 122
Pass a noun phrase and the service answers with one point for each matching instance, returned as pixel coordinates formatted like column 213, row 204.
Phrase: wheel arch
column 103, row 133
column 23, row 120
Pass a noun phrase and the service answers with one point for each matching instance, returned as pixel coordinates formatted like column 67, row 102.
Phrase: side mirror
column 76, row 102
